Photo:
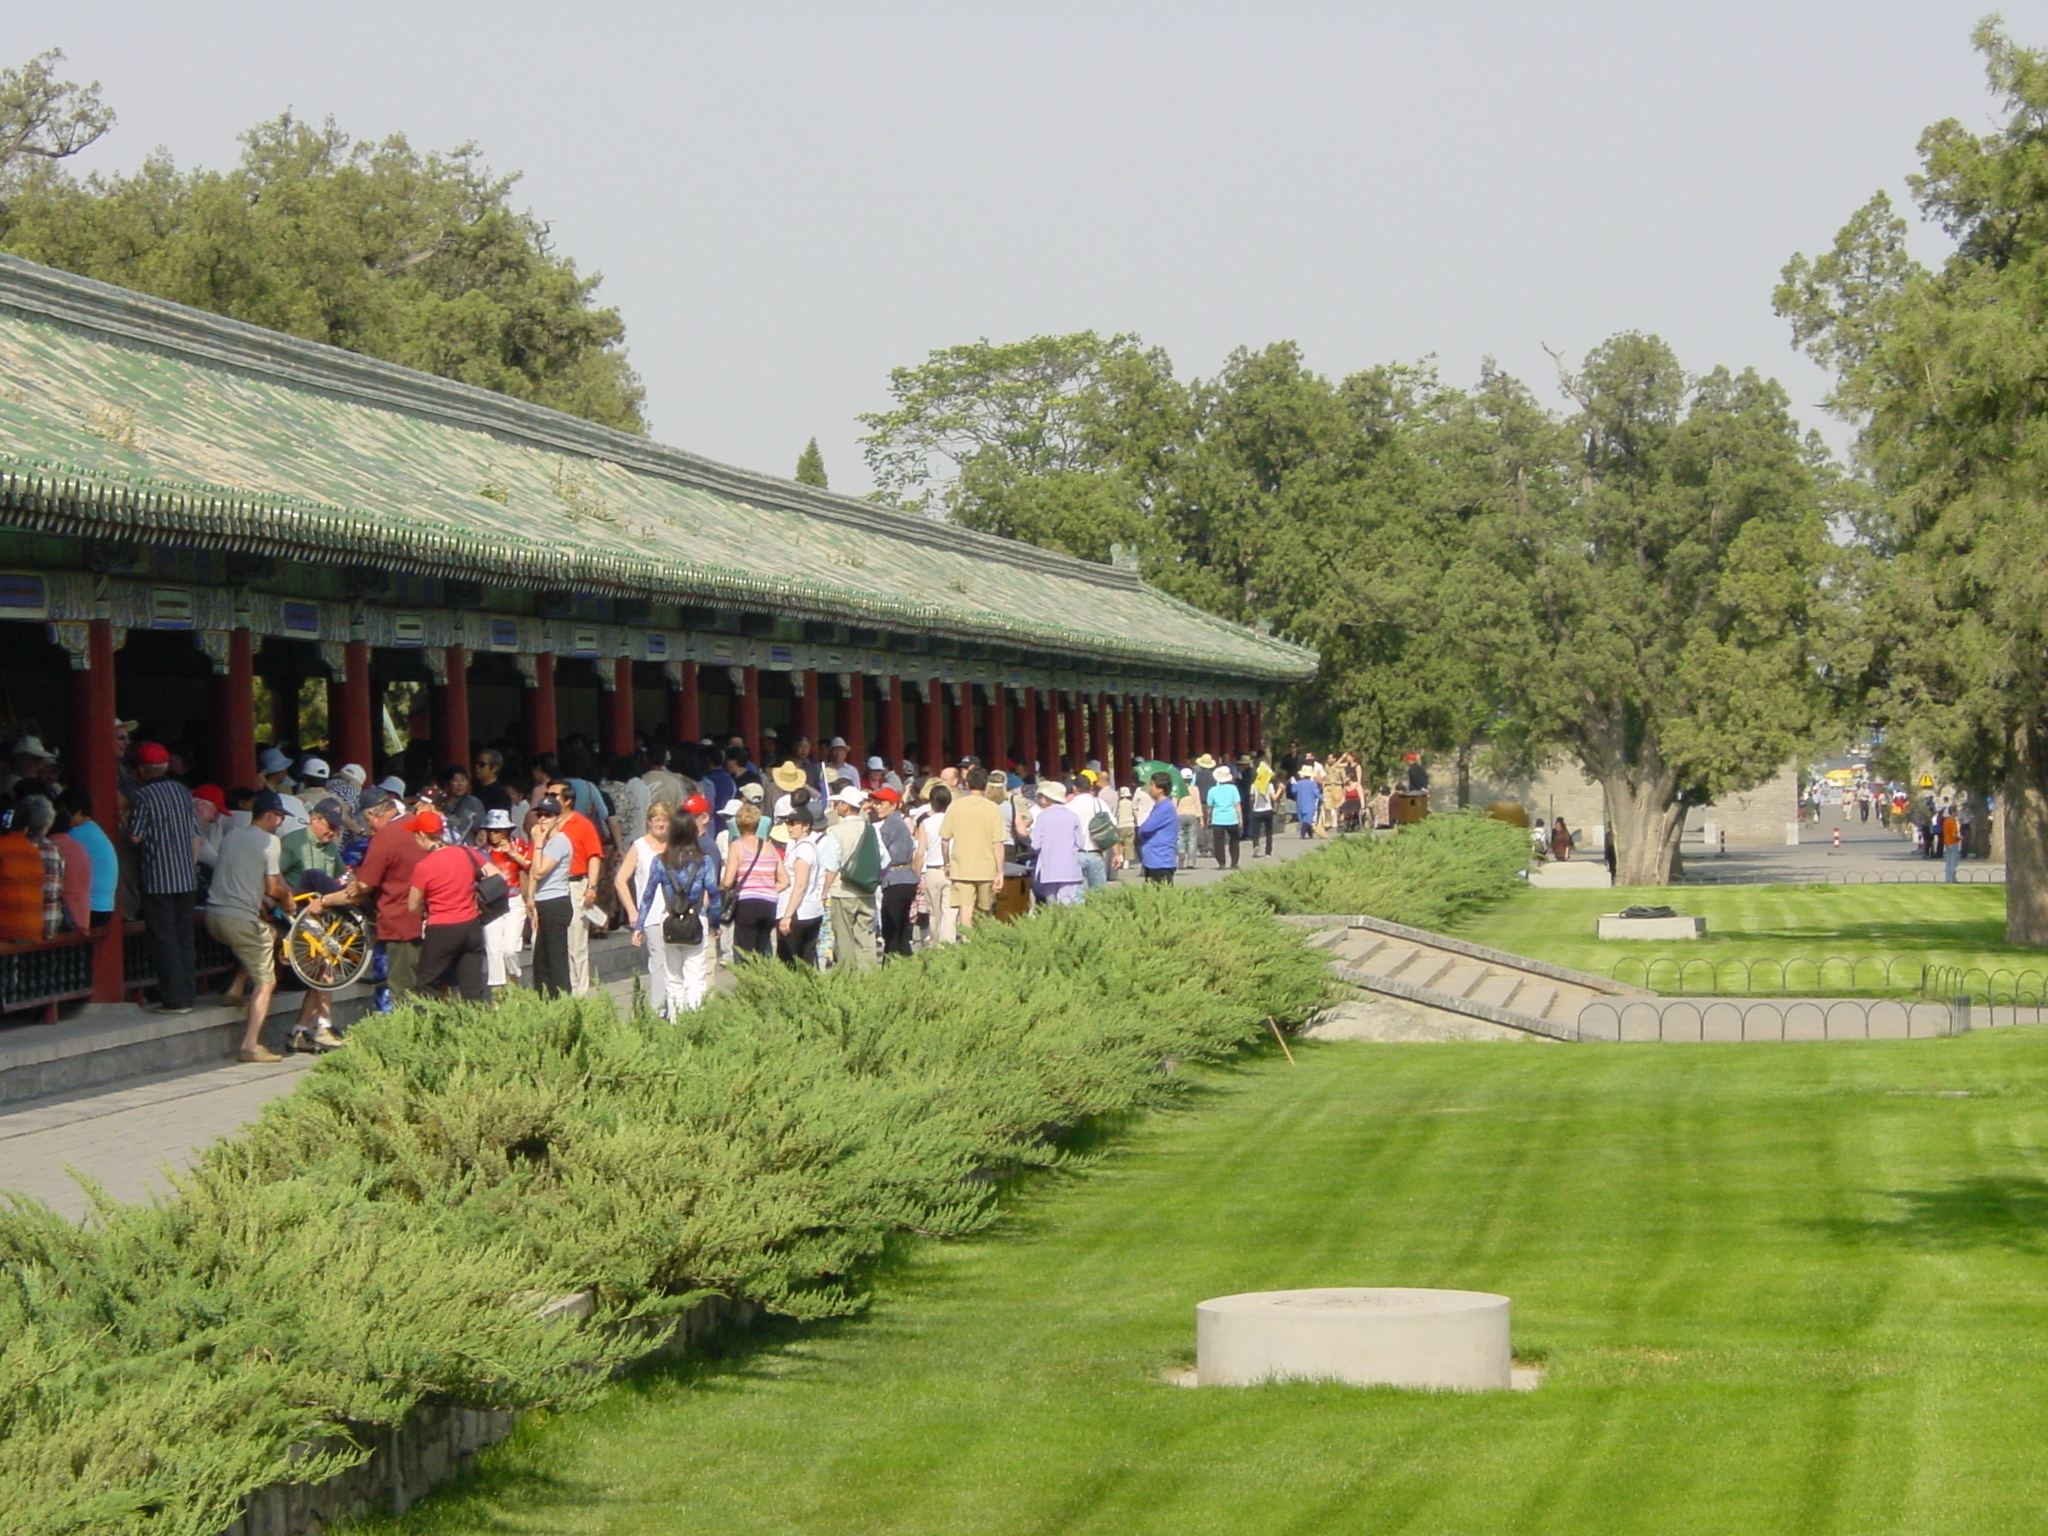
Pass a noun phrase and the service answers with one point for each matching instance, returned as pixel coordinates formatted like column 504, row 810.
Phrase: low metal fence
column 1932, row 875
column 1709, row 1020
column 1799, row 976
column 1987, row 986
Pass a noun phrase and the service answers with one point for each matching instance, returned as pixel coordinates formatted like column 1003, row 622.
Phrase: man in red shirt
column 444, row 892
column 386, row 873
column 586, row 861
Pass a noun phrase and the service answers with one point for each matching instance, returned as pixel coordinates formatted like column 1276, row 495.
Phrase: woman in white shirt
column 930, row 863
column 639, row 858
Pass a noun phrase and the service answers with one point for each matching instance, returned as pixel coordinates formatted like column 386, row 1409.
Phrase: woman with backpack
column 680, row 892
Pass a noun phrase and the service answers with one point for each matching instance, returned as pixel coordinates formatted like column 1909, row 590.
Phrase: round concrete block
column 1381, row 1336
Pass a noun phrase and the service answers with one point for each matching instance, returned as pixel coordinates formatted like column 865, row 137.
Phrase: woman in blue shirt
column 1159, row 833
column 1226, row 809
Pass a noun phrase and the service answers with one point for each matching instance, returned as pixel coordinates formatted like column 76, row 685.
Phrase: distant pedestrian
column 1226, row 814
column 1308, row 800
column 678, row 903
column 1561, row 843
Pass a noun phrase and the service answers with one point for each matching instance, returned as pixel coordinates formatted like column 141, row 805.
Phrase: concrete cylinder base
column 1383, row 1336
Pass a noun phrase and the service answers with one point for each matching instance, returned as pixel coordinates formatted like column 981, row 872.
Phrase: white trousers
column 938, row 895
column 678, row 975
column 579, row 939
column 501, row 946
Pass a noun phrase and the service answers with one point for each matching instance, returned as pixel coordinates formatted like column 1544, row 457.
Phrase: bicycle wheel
column 327, row 950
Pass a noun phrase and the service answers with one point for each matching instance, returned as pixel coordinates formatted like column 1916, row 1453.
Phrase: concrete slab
column 1571, row 875
column 1614, row 926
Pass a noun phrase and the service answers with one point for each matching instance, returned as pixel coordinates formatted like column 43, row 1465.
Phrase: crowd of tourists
column 503, row 871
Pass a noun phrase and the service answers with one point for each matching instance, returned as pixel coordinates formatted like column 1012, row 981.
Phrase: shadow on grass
column 1988, row 1211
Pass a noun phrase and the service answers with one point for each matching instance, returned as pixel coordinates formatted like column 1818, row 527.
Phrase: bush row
column 387, row 1233
column 1427, row 876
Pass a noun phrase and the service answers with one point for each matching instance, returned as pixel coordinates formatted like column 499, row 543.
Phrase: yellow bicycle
column 326, row 947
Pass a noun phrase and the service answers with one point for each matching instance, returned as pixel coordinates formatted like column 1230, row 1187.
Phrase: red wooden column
column 998, row 726
column 1183, row 739
column 450, row 711
column 538, row 705
column 685, row 722
column 95, row 756
column 1027, row 728
column 233, row 747
column 749, row 682
column 1099, row 738
column 892, row 724
column 615, row 706
column 1148, row 728
column 807, row 711
column 1077, row 734
column 853, row 724
column 962, row 744
column 1126, row 737
column 931, row 730
column 348, row 704
column 1240, row 729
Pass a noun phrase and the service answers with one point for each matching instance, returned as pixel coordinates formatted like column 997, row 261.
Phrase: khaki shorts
column 978, row 894
column 253, row 944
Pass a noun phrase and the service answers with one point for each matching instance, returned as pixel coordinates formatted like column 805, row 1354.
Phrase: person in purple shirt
column 1158, row 835
column 1058, row 838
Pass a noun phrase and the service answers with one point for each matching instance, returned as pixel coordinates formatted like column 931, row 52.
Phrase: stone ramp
column 1419, row 985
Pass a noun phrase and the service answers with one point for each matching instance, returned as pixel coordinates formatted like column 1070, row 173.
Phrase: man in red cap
column 161, row 823
column 443, row 892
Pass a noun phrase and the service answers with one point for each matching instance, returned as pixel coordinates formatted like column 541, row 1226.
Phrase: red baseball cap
column 428, row 821
column 697, row 805
column 152, row 752
column 212, row 794
column 888, row 793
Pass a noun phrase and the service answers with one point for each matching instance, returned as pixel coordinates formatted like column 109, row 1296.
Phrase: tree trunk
column 1647, row 820
column 2024, row 805
column 1465, row 777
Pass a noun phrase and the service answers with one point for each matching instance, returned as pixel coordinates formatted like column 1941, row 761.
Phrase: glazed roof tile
column 123, row 415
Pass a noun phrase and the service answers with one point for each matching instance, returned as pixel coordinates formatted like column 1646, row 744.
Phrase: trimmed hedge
column 1427, row 876
column 385, row 1234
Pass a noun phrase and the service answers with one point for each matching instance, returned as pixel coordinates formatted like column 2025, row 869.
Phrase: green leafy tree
column 1945, row 371
column 1676, row 597
column 1057, row 440
column 44, row 119
column 810, row 466
column 375, row 247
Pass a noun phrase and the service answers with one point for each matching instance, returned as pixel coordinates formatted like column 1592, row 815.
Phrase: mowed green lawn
column 1776, row 1288
column 1796, row 926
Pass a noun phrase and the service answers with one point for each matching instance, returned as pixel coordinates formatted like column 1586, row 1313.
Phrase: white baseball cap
column 878, row 765
column 782, row 807
column 852, row 796
column 315, row 768
column 731, row 807
column 353, row 772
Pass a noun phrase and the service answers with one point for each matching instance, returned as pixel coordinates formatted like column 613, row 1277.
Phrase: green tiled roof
column 122, row 415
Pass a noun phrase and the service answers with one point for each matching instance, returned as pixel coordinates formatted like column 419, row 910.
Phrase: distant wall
column 1755, row 819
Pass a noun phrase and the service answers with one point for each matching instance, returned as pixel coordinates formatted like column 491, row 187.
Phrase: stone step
column 1533, row 998
column 1460, row 980
column 1389, row 958
column 1495, row 989
column 1361, row 946
column 1424, row 968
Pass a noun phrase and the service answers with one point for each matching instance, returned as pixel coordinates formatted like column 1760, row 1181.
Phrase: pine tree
column 810, row 466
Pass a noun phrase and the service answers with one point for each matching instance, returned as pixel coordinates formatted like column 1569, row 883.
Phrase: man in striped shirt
column 163, row 827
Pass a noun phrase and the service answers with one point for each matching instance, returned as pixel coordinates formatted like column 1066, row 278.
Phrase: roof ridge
column 39, row 291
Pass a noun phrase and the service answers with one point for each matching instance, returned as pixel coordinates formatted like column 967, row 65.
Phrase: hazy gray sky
column 787, row 200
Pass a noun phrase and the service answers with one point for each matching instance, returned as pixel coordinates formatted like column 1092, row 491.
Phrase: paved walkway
column 1869, row 851
column 127, row 1134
